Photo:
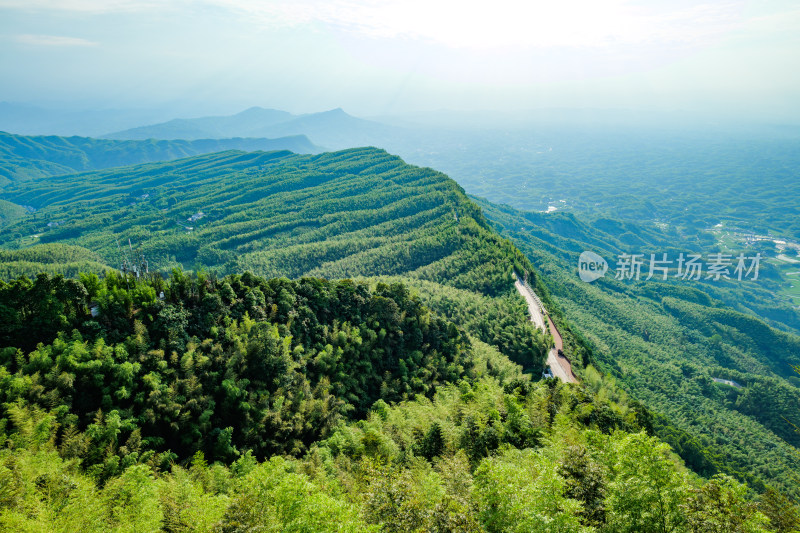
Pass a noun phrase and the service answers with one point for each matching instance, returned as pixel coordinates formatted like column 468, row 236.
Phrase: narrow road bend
column 558, row 364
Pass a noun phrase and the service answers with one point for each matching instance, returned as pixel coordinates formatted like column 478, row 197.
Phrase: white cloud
column 53, row 40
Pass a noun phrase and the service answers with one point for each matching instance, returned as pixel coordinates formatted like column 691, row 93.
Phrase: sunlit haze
column 729, row 58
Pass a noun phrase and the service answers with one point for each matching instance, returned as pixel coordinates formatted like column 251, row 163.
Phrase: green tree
column 647, row 489
column 721, row 506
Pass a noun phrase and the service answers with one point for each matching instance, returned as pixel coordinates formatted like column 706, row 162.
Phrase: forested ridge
column 667, row 341
column 202, row 396
column 26, row 158
column 280, row 361
column 248, row 403
column 342, row 214
column 64, row 259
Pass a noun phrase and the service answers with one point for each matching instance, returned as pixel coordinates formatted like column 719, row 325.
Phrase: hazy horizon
column 722, row 59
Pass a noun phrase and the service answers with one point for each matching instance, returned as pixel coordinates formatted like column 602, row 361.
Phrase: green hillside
column 252, row 404
column 24, row 158
column 10, row 211
column 354, row 213
column 64, row 259
column 357, row 212
column 404, row 400
column 666, row 342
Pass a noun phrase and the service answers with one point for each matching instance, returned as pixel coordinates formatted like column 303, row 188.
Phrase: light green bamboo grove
column 246, row 404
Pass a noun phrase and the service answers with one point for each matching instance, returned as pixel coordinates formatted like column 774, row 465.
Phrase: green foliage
column 376, row 475
column 359, row 212
column 275, row 496
column 647, row 491
column 783, row 514
column 10, row 211
column 521, row 491
column 35, row 311
column 502, row 322
column 664, row 342
column 52, row 259
column 366, row 410
column 584, row 481
column 33, row 158
column 194, row 372
column 721, row 506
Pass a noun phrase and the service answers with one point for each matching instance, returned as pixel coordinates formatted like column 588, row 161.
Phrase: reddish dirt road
column 558, row 364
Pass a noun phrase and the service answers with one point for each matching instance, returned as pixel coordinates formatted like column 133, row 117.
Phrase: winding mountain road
column 558, row 364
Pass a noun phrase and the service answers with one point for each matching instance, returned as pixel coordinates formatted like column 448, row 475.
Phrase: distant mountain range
column 23, row 157
column 332, row 129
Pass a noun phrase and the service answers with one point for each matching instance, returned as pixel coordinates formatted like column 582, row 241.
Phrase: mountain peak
column 254, row 109
column 257, row 111
column 338, row 111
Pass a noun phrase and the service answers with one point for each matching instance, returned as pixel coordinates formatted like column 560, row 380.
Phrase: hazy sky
column 384, row 57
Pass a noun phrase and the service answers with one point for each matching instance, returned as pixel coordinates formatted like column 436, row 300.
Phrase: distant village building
column 196, row 217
